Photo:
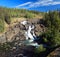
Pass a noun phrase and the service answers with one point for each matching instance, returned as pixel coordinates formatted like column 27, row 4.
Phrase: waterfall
column 30, row 37
column 24, row 22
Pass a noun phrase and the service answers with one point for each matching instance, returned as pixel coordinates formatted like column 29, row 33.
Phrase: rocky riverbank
column 17, row 31
column 15, row 37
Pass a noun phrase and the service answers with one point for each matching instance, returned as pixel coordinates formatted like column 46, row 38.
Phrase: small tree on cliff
column 7, row 18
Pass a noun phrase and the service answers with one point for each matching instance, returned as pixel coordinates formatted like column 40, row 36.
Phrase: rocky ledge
column 17, row 31
column 15, row 37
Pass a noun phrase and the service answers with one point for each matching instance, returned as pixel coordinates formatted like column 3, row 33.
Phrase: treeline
column 51, row 37
column 14, row 12
column 52, row 23
column 7, row 13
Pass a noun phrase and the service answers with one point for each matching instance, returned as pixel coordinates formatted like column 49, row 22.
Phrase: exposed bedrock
column 17, row 31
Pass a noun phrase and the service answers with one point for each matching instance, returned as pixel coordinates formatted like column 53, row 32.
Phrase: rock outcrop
column 15, row 36
column 17, row 31
column 55, row 53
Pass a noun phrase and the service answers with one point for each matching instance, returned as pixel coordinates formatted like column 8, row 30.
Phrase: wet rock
column 17, row 31
column 16, row 36
column 55, row 53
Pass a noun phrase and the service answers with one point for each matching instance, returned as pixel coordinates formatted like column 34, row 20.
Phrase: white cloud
column 54, row 3
column 21, row 5
column 39, row 3
column 43, row 3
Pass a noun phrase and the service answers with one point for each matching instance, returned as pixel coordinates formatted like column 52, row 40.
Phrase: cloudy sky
column 39, row 5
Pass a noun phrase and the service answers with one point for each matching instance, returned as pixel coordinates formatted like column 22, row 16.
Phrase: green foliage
column 4, row 47
column 29, row 15
column 40, row 49
column 52, row 22
column 7, row 13
column 52, row 19
column 7, row 18
column 1, row 26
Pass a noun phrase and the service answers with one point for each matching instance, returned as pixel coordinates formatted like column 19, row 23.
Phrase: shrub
column 29, row 15
column 40, row 49
column 1, row 25
column 4, row 47
column 52, row 34
column 7, row 18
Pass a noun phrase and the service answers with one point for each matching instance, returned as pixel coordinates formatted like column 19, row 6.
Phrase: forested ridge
column 7, row 15
column 50, row 22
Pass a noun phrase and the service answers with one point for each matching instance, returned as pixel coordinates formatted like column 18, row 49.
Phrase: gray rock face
column 16, row 36
column 3, row 38
column 17, row 32
column 13, row 33
column 55, row 53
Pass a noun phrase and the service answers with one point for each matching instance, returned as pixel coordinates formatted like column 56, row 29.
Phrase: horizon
column 36, row 5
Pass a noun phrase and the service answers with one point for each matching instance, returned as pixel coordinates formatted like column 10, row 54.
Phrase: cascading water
column 30, row 37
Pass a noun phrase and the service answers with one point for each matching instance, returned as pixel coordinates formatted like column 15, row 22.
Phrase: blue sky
column 39, row 5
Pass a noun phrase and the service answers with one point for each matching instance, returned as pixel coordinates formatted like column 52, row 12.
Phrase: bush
column 7, row 18
column 1, row 25
column 29, row 15
column 40, row 49
column 4, row 47
column 52, row 34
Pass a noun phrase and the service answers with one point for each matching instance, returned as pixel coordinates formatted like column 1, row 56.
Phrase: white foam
column 24, row 22
column 30, row 36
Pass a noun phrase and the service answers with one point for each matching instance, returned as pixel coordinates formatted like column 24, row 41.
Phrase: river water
column 29, row 34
